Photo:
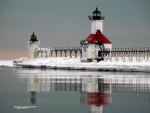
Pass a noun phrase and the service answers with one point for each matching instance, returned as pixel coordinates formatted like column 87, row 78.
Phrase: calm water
column 58, row 91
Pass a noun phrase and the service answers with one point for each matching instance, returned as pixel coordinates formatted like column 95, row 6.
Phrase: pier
column 116, row 54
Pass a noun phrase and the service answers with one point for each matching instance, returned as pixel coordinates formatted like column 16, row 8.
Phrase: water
column 59, row 91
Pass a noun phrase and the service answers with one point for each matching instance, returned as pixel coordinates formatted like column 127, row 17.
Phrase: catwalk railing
column 130, row 54
column 117, row 54
column 66, row 52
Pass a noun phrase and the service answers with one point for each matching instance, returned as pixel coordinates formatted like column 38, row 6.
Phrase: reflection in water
column 94, row 87
column 33, row 97
column 93, row 91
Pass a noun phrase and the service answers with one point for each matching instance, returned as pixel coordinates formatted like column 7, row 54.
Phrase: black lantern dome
column 97, row 15
column 96, row 11
column 33, row 37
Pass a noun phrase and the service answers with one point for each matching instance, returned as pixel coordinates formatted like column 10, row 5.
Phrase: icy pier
column 76, row 64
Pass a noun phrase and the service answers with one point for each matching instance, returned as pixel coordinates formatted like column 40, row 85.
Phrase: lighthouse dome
column 33, row 37
column 97, row 15
column 96, row 11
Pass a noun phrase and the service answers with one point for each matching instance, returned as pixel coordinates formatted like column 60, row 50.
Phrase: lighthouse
column 34, row 50
column 33, row 46
column 96, row 21
column 96, row 46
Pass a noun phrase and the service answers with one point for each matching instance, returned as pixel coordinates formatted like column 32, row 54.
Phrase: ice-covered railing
column 124, row 54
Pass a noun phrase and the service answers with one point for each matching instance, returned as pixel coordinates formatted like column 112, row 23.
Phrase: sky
column 63, row 23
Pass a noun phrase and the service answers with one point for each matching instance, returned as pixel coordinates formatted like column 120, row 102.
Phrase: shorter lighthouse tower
column 33, row 46
column 34, row 50
column 96, row 21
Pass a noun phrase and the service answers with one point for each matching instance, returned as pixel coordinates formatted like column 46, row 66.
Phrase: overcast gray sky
column 65, row 22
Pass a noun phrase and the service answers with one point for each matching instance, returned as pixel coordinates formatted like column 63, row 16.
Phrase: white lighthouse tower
column 34, row 50
column 33, row 46
column 96, row 21
column 96, row 46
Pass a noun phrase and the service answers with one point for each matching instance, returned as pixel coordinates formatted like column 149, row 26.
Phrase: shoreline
column 121, row 69
column 65, row 63
column 75, row 64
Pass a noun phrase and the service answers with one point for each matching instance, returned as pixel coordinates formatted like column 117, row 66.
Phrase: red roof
column 98, row 38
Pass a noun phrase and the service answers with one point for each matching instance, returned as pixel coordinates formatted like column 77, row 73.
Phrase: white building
column 96, row 46
column 34, row 50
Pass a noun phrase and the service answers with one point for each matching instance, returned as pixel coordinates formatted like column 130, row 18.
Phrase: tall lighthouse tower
column 96, row 21
column 96, row 46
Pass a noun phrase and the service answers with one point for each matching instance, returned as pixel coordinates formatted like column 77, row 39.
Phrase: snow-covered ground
column 6, row 63
column 76, row 64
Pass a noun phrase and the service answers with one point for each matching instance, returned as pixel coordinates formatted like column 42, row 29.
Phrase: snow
column 6, row 63
column 76, row 64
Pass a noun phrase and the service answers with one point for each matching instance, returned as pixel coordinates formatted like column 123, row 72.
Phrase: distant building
column 96, row 46
column 34, row 50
